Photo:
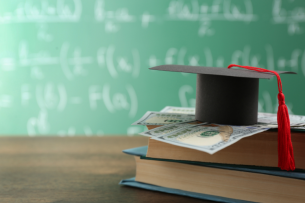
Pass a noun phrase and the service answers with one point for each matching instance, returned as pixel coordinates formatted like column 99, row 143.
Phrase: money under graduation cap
column 230, row 96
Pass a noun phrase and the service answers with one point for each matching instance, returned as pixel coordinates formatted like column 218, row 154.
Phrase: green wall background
column 80, row 67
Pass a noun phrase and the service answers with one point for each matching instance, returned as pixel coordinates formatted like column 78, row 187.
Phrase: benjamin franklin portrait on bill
column 209, row 136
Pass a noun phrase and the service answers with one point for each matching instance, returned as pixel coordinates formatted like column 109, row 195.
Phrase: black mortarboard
column 230, row 96
column 224, row 96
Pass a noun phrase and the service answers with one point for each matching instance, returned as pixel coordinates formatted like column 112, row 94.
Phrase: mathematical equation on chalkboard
column 202, row 12
column 58, row 73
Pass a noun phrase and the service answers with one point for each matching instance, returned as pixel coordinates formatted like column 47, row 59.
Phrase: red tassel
column 285, row 148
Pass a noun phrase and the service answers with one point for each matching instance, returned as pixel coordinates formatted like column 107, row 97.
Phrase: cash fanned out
column 268, row 120
column 179, row 127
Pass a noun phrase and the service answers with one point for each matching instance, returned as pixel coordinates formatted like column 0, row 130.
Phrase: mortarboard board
column 230, row 96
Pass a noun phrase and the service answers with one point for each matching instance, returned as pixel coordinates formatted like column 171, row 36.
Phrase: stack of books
column 243, row 172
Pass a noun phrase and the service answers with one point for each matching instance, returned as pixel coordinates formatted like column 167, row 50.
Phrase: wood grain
column 72, row 169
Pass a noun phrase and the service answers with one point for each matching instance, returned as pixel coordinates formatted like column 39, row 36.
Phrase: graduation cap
column 230, row 96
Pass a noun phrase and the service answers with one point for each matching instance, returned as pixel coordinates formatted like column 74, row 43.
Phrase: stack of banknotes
column 178, row 126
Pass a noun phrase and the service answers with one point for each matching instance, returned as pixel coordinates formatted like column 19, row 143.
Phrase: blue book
column 298, row 176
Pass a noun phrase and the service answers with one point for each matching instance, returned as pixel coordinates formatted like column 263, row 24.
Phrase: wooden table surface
column 72, row 169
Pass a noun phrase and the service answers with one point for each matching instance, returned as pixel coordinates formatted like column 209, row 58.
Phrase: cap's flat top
column 217, row 71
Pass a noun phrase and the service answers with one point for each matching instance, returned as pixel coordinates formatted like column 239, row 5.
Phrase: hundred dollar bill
column 265, row 120
column 165, row 129
column 270, row 120
column 160, row 118
column 173, row 109
column 209, row 138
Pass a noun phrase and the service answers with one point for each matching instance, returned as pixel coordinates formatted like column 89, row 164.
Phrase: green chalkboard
column 80, row 67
